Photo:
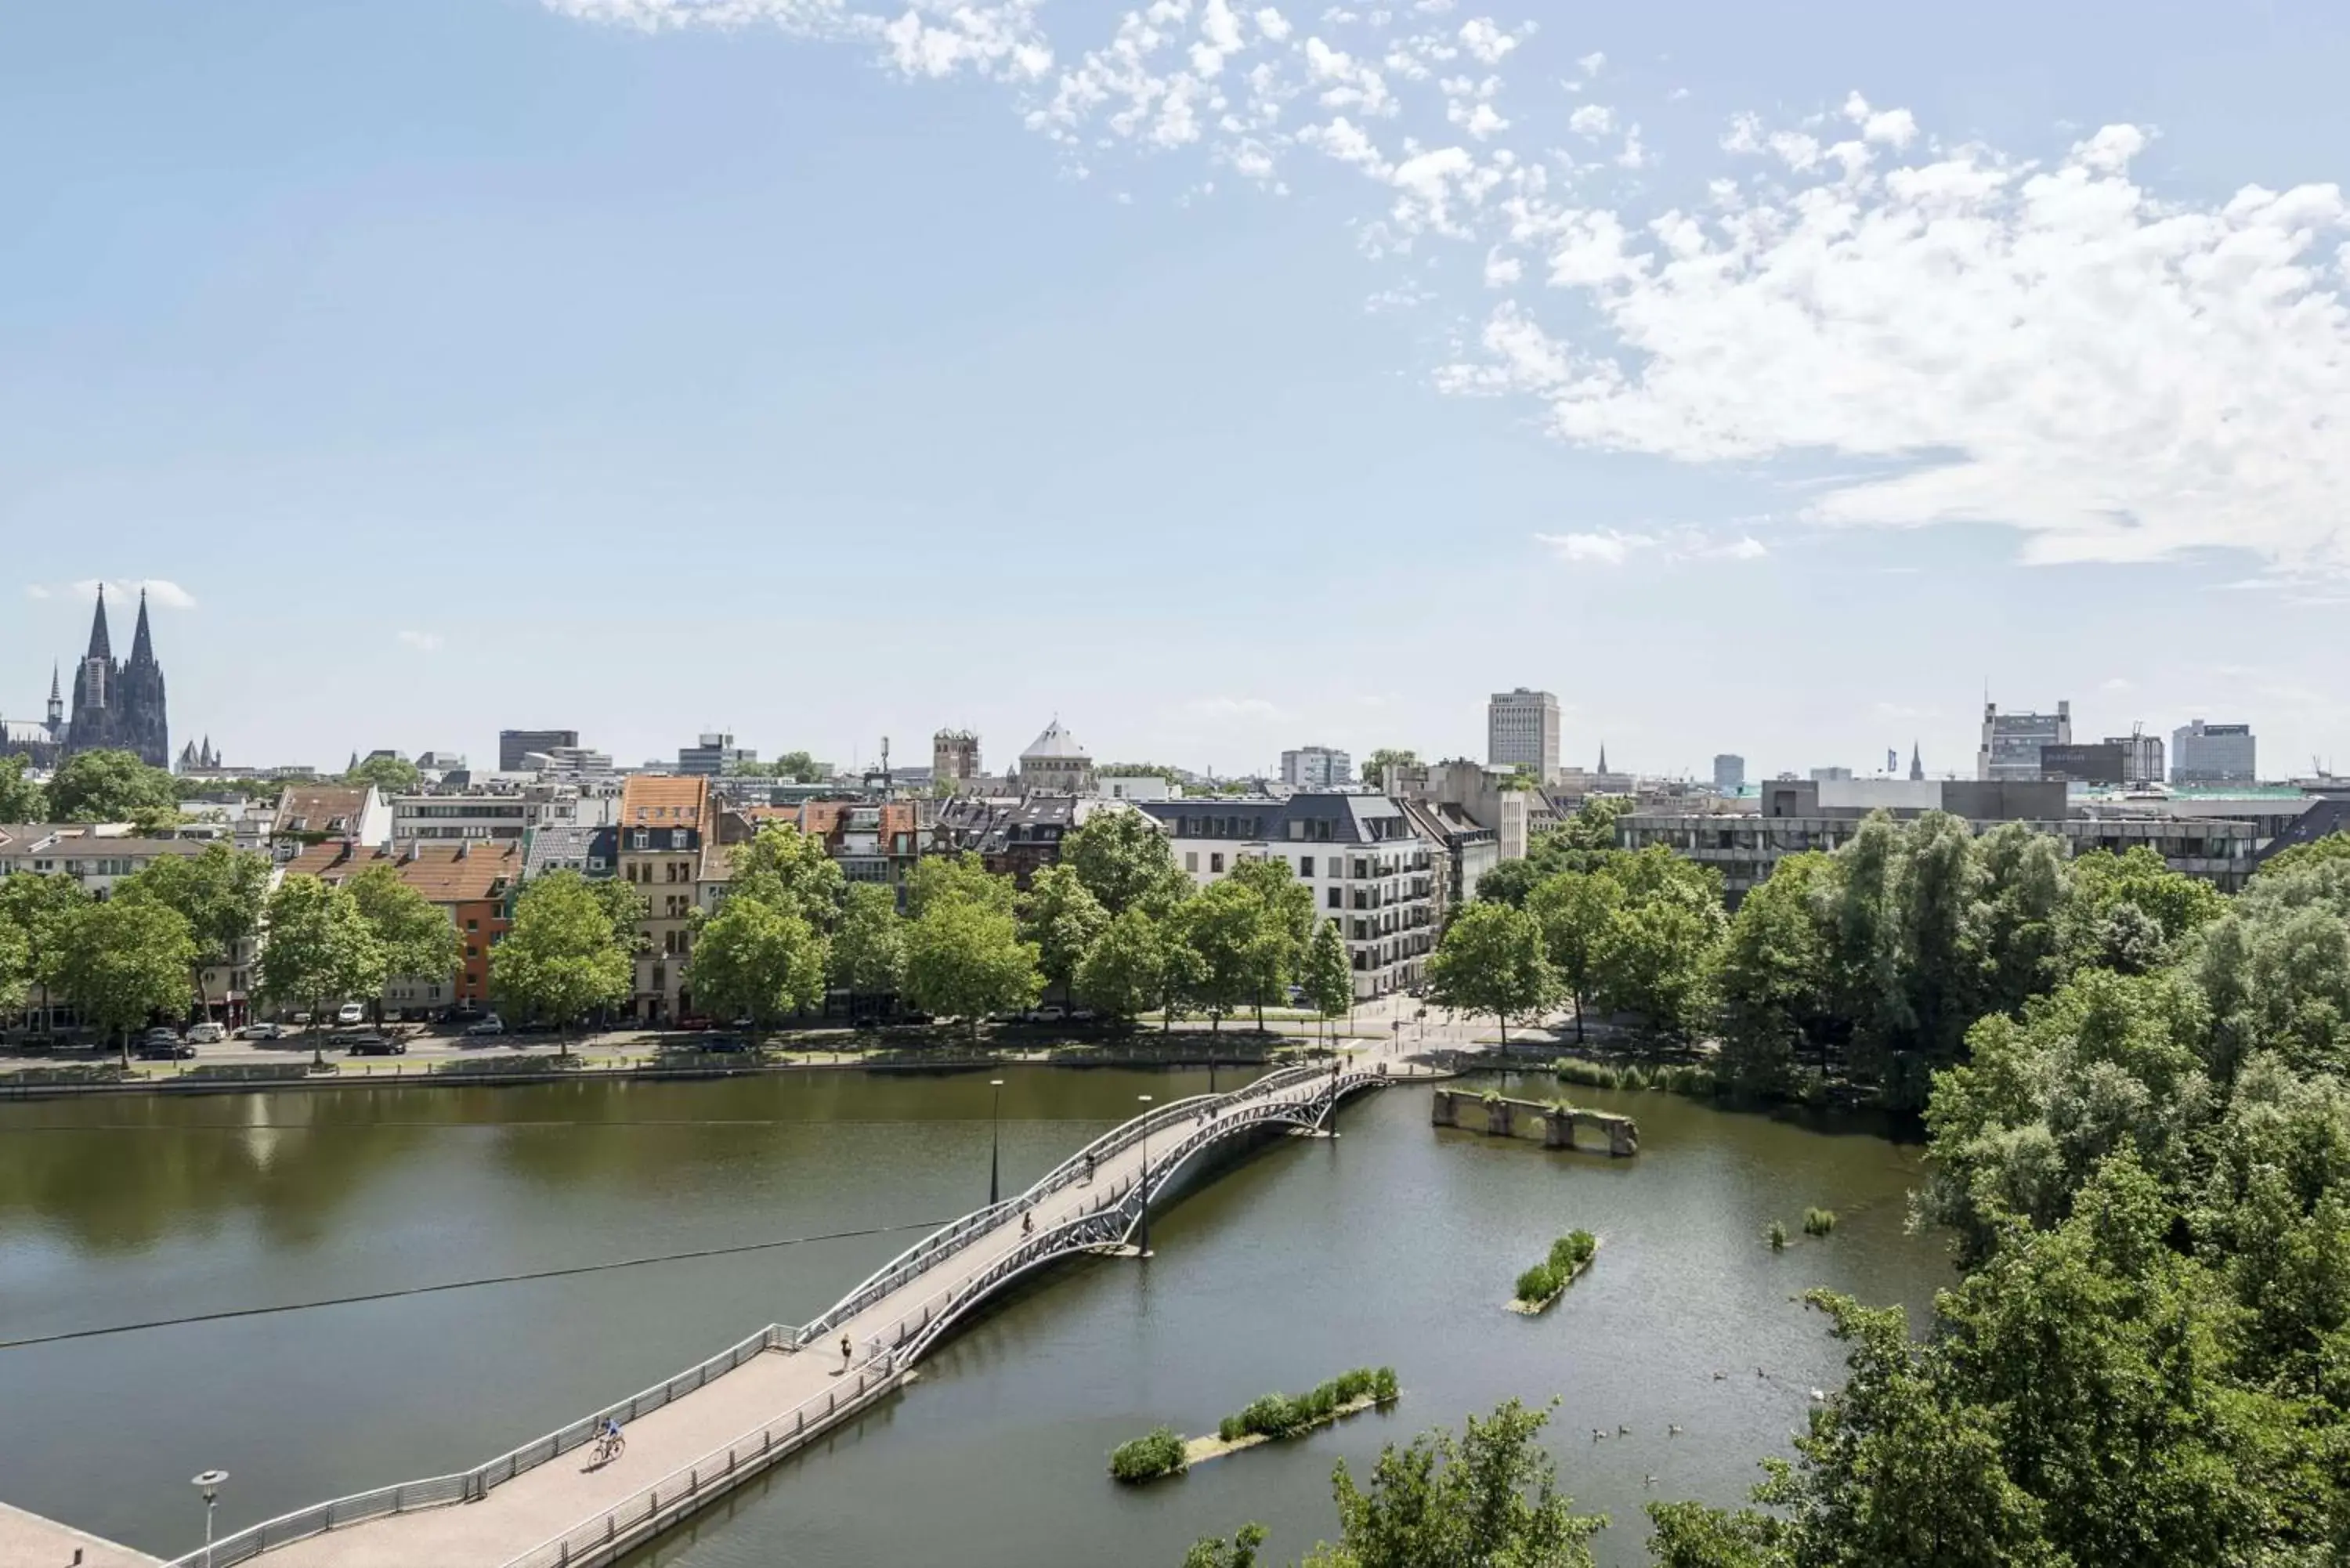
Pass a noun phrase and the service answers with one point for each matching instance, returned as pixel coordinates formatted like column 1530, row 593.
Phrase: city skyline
column 986, row 384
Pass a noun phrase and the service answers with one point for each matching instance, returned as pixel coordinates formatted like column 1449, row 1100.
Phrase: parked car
column 723, row 1045
column 262, row 1032
column 368, row 1043
column 206, row 1034
column 1047, row 1012
column 161, row 1044
column 350, row 1013
column 483, row 1028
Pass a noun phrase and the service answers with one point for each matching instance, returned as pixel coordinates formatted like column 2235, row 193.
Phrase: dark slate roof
column 1351, row 816
column 552, row 849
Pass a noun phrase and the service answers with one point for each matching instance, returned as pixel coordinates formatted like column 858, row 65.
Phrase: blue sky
column 651, row 365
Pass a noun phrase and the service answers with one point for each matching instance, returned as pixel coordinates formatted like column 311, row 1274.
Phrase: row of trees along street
column 1115, row 927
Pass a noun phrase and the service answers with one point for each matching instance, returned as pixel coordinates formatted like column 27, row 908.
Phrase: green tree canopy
column 869, row 946
column 565, row 953
column 1375, row 770
column 21, row 800
column 790, row 869
column 220, row 893
column 964, row 959
column 1489, row 1498
column 1576, row 911
column 389, row 774
column 1124, row 973
column 757, row 958
column 1124, row 860
column 320, row 947
column 1492, row 960
column 40, row 908
column 112, row 786
column 1062, row 919
column 123, row 962
column 1329, row 972
column 964, row 878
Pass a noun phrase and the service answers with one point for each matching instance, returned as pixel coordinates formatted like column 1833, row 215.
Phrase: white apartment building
column 1522, row 731
column 1316, row 767
column 501, row 815
column 1370, row 868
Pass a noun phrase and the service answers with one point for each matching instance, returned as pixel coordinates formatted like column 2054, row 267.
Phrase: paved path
column 570, row 1491
column 29, row 1540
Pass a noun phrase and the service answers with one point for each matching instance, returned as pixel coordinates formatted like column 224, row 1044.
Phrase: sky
column 1218, row 378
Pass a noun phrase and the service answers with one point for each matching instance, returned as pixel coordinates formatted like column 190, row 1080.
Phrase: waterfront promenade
column 692, row 1439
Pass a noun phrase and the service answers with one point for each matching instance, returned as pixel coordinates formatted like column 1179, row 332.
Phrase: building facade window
column 1215, row 864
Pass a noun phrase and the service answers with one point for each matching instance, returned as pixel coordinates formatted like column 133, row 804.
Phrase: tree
column 1488, row 1500
column 41, row 908
column 1492, row 960
column 1772, row 977
column 1239, row 1552
column 1284, row 924
column 964, row 959
column 1124, row 973
column 219, row 892
column 1328, row 971
column 1940, row 883
column 784, row 866
column 1374, row 771
column 16, row 967
column 2027, row 884
column 1225, row 928
column 1061, row 919
column 565, row 953
column 1124, row 860
column 2178, row 906
column 112, row 786
column 1583, row 841
column 1656, row 959
column 419, row 938
column 21, row 800
column 1574, row 909
column 320, row 949
column 122, row 962
column 869, row 946
column 758, row 958
column 390, row 774
column 937, row 878
column 2283, row 863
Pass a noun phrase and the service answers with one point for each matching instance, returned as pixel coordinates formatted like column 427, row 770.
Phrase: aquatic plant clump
column 1158, row 1452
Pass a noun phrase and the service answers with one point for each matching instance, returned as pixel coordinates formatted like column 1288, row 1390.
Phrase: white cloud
column 2036, row 342
column 1613, row 546
column 1593, row 120
column 1606, row 547
column 2117, row 684
column 160, row 592
column 35, row 591
column 2119, row 377
column 422, row 642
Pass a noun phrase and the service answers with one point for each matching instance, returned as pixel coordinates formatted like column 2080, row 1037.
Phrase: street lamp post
column 1145, row 1179
column 994, row 1142
column 209, row 1483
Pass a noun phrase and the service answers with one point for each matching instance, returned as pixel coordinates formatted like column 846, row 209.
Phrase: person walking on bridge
column 846, row 1353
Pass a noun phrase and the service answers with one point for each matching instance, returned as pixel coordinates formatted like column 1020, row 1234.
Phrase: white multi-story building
column 1369, row 869
column 2203, row 754
column 1316, row 767
column 1522, row 731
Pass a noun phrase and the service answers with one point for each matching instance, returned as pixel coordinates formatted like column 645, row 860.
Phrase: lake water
column 1394, row 1243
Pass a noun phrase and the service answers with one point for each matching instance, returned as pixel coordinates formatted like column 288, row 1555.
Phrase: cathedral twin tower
column 117, row 705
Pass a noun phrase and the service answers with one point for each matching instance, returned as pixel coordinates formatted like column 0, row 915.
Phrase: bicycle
column 610, row 1447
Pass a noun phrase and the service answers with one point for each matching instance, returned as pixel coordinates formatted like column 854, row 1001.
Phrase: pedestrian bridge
column 695, row 1436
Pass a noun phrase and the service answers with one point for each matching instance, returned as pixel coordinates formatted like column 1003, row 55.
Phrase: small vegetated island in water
column 1163, row 1451
column 1548, row 1280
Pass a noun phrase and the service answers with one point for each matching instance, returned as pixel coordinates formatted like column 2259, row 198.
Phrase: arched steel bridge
column 694, row 1437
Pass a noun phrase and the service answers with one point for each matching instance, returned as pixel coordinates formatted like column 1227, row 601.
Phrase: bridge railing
column 439, row 1492
column 679, row 1491
column 939, row 1245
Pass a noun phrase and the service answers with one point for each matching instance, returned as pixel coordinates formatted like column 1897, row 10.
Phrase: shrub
column 1818, row 1222
column 1280, row 1415
column 1383, row 1385
column 1778, row 1236
column 1147, row 1458
column 1540, row 1283
column 1571, row 1250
